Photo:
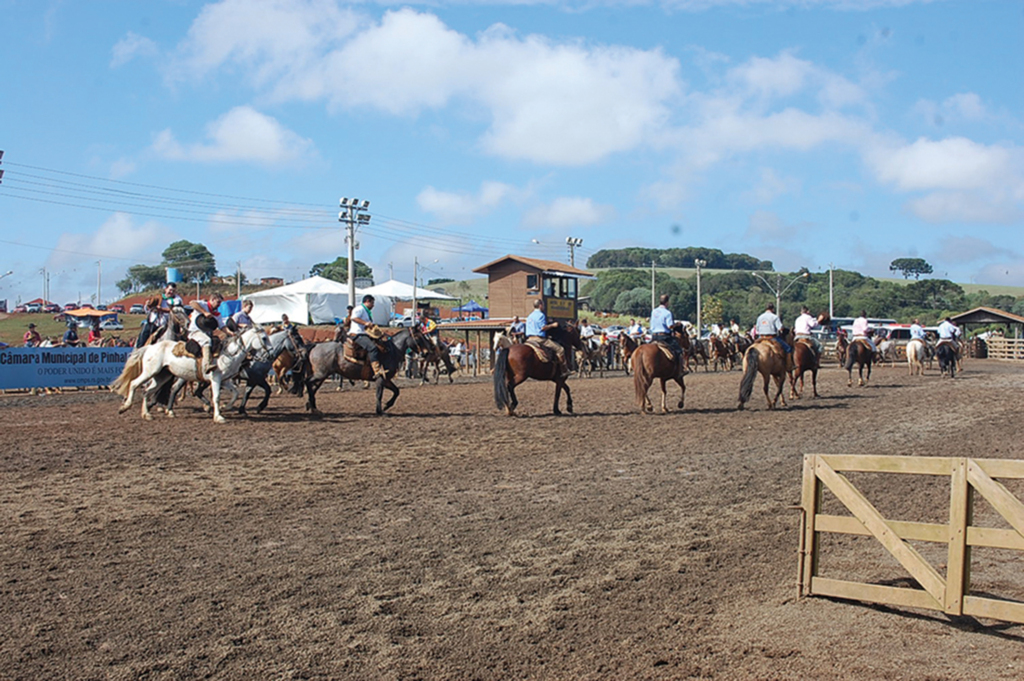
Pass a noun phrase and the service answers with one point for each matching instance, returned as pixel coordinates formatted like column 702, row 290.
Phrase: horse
column 804, row 359
column 513, row 364
column 589, row 356
column 697, row 352
column 720, row 354
column 326, row 359
column 436, row 355
column 886, row 350
column 164, row 360
column 859, row 352
column 627, row 346
column 842, row 344
column 255, row 373
column 650, row 361
column 917, row 352
column 946, row 353
column 765, row 355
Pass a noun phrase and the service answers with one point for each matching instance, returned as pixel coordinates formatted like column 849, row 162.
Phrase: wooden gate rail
column 950, row 594
column 1005, row 348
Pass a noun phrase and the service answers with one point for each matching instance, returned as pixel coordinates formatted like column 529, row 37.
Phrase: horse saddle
column 864, row 342
column 544, row 354
column 667, row 349
column 354, row 353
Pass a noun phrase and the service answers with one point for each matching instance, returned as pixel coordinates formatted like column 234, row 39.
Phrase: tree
column 908, row 266
column 142, row 278
column 712, row 310
column 636, row 301
column 194, row 261
column 338, row 270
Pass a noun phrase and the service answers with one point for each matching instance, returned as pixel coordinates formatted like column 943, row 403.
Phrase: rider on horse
column 361, row 319
column 949, row 333
column 802, row 329
column 517, row 330
column 205, row 320
column 661, row 332
column 770, row 326
column 587, row 335
column 536, row 332
column 862, row 331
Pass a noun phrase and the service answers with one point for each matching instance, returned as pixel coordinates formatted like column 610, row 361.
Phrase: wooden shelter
column 985, row 316
column 514, row 282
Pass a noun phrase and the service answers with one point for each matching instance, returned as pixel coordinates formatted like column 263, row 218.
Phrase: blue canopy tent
column 470, row 307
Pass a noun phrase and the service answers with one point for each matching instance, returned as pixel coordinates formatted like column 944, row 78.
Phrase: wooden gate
column 949, row 593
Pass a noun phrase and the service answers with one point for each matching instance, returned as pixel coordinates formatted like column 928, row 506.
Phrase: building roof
column 987, row 315
column 545, row 266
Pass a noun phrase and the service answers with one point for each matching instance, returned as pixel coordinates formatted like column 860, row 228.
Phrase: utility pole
column 353, row 213
column 43, row 272
column 99, row 280
column 573, row 243
column 830, row 312
column 654, row 295
column 415, row 274
column 238, row 279
column 698, row 263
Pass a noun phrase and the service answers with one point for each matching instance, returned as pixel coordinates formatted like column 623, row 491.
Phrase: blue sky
column 804, row 132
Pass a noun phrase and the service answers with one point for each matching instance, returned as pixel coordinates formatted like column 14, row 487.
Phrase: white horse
column 886, row 350
column 163, row 361
column 916, row 354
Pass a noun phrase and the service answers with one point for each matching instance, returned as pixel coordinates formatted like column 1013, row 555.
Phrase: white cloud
column 964, row 107
column 568, row 212
column 772, row 185
column 967, row 207
column 463, row 208
column 952, row 163
column 118, row 237
column 131, row 46
column 242, row 134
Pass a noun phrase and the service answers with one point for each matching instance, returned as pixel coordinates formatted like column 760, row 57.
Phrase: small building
column 515, row 282
column 271, row 281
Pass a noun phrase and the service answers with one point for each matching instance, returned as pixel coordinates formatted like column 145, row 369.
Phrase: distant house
column 514, row 282
column 271, row 281
column 227, row 279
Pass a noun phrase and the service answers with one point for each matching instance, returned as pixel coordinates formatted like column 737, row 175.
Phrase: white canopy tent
column 398, row 291
column 312, row 301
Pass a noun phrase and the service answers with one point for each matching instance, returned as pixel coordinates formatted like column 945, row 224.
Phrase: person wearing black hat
column 32, row 338
column 70, row 338
column 206, row 319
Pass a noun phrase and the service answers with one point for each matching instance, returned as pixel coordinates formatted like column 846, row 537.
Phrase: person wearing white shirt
column 802, row 328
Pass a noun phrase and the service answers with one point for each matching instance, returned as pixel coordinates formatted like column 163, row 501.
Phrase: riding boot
column 207, row 360
column 378, row 370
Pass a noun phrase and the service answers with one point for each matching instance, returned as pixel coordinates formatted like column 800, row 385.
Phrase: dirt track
column 448, row 541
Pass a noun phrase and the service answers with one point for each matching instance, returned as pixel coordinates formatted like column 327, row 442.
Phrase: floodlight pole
column 698, row 263
column 353, row 212
column 572, row 243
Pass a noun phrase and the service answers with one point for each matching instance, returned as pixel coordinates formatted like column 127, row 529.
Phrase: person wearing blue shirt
column 517, row 330
column 537, row 327
column 770, row 326
column 661, row 331
column 917, row 331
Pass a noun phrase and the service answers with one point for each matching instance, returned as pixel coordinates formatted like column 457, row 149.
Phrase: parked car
column 117, row 308
column 86, row 306
column 20, row 308
column 52, row 308
column 111, row 325
column 137, row 309
column 613, row 331
column 101, row 307
column 71, row 306
column 405, row 322
column 33, row 307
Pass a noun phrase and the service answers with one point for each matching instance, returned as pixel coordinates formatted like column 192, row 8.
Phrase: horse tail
column 641, row 378
column 851, row 355
column 132, row 370
column 750, row 361
column 501, row 397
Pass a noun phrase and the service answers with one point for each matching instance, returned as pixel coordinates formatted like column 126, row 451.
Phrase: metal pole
column 415, row 274
column 238, row 279
column 778, row 294
column 99, row 280
column 653, row 294
column 831, row 314
column 351, row 258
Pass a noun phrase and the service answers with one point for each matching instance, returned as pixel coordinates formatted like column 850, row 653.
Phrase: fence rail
column 950, row 593
column 1005, row 348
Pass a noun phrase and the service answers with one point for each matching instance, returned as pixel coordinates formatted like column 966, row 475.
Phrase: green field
column 14, row 326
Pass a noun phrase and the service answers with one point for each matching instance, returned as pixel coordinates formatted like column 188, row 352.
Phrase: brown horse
column 697, row 353
column 650, row 362
column 767, row 357
column 514, row 364
column 720, row 353
column 627, row 346
column 804, row 359
column 841, row 346
column 861, row 354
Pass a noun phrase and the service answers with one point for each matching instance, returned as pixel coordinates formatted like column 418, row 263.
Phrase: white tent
column 398, row 291
column 312, row 301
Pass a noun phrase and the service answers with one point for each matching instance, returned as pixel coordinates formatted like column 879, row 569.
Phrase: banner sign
column 60, row 367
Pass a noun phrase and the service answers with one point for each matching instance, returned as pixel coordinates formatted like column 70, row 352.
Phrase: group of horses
column 163, row 367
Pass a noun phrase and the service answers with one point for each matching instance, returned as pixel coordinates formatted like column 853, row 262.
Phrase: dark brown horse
column 720, row 353
column 697, row 353
column 804, row 359
column 861, row 354
column 650, row 361
column 764, row 356
column 627, row 346
column 841, row 346
column 513, row 364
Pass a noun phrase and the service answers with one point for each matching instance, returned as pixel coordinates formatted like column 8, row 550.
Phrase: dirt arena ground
column 447, row 541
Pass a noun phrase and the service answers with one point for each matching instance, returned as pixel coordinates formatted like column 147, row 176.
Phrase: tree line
column 676, row 257
column 196, row 264
column 742, row 296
